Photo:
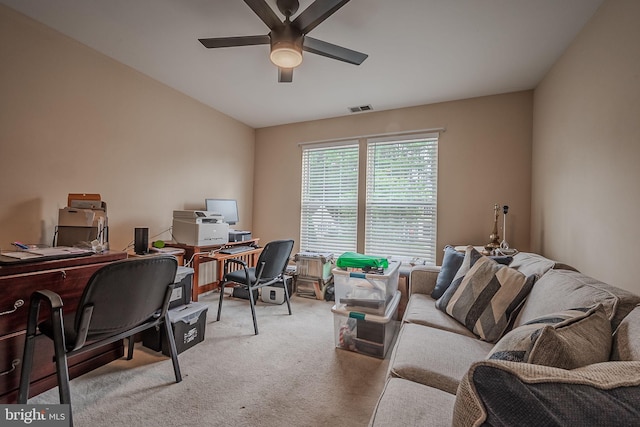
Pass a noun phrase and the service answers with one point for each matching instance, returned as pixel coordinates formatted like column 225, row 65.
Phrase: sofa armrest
column 422, row 279
column 515, row 393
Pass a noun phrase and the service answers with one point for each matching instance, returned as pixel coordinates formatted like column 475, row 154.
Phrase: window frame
column 421, row 248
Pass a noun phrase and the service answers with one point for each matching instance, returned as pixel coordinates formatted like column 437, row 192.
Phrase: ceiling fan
column 289, row 38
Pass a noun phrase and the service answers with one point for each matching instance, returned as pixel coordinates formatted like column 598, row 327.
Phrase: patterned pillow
column 568, row 339
column 520, row 394
column 486, row 297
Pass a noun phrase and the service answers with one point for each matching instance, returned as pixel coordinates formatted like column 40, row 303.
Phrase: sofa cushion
column 405, row 403
column 568, row 339
column 533, row 264
column 626, row 339
column 451, row 263
column 422, row 310
column 486, row 297
column 434, row 357
column 560, row 290
column 515, row 394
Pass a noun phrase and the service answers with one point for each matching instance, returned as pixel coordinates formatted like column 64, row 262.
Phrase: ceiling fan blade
column 264, row 12
column 285, row 75
column 333, row 51
column 317, row 12
column 235, row 41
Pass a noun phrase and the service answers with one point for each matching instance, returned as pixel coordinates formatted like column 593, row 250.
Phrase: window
column 329, row 214
column 387, row 208
column 401, row 198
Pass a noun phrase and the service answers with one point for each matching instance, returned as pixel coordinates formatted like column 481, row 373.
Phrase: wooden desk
column 208, row 270
column 176, row 252
column 250, row 257
column 67, row 277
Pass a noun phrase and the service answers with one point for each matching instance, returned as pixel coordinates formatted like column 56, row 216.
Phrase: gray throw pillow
column 451, row 263
column 468, row 260
column 486, row 297
column 568, row 339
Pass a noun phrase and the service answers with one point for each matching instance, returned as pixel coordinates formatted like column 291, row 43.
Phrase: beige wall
column 484, row 158
column 586, row 149
column 73, row 120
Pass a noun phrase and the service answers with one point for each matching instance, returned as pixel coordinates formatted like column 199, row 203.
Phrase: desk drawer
column 11, row 349
column 11, row 352
column 16, row 290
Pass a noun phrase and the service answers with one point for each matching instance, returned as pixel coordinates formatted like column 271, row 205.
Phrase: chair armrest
column 422, row 279
column 51, row 298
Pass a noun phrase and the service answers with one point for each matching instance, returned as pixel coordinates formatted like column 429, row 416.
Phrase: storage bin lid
column 388, row 315
column 182, row 273
column 189, row 313
column 322, row 256
column 393, row 266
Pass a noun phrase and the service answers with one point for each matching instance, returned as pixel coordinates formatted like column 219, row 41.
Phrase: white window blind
column 329, row 199
column 401, row 200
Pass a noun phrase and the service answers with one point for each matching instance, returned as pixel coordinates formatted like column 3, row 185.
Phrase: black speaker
column 141, row 241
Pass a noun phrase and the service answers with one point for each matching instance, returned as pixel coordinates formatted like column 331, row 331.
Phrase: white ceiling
column 420, row 51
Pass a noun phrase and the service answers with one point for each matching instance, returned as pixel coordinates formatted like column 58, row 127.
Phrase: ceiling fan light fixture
column 288, row 38
column 286, row 55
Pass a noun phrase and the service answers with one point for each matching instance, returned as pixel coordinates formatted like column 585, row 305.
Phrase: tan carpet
column 290, row 374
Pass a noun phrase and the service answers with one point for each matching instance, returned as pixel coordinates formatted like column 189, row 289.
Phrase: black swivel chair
column 121, row 299
column 268, row 271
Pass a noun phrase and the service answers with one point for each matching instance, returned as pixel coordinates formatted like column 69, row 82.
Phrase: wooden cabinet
column 66, row 277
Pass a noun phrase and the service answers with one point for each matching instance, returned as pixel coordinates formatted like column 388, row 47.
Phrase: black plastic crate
column 188, row 324
column 181, row 294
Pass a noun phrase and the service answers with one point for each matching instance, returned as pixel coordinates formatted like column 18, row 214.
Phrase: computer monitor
column 228, row 208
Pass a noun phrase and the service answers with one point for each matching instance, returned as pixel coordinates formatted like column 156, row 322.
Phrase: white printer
column 200, row 228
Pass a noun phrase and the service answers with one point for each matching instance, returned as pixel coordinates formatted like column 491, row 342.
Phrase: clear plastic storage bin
column 314, row 264
column 366, row 333
column 366, row 292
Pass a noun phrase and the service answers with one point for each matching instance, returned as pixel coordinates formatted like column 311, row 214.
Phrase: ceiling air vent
column 361, row 108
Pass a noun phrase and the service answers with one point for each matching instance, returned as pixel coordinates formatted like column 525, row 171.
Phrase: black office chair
column 121, row 299
column 268, row 271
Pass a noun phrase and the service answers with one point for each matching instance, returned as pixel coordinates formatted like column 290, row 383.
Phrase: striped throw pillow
column 486, row 298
